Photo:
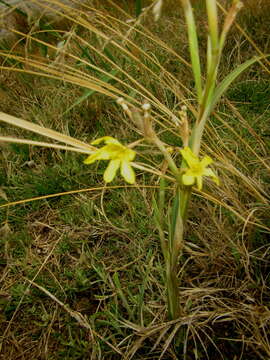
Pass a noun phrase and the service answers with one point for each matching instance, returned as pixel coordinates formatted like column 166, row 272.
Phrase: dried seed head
column 146, row 107
column 120, row 101
column 238, row 4
column 147, row 121
column 184, row 108
column 176, row 121
column 184, row 128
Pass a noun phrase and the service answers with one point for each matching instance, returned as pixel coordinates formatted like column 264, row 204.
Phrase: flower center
column 197, row 169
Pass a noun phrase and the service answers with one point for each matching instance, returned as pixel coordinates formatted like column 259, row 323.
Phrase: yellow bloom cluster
column 120, row 157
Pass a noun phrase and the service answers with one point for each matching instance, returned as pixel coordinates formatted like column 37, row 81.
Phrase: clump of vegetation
column 83, row 274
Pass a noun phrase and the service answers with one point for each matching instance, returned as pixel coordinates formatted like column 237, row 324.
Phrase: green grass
column 98, row 252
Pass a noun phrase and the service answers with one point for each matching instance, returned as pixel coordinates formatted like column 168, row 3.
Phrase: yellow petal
column 127, row 172
column 209, row 172
column 216, row 180
column 111, row 140
column 106, row 139
column 206, row 161
column 188, row 179
column 190, row 158
column 110, row 172
column 129, row 155
column 101, row 154
column 199, row 182
column 90, row 159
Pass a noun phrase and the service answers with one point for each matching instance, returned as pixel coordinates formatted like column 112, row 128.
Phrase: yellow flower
column 196, row 169
column 119, row 155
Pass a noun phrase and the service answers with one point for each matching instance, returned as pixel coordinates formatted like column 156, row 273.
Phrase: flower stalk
column 192, row 169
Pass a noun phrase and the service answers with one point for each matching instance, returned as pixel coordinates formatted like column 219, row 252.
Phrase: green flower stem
column 198, row 130
column 205, row 107
column 175, row 249
column 171, row 273
column 176, row 244
column 172, row 292
column 214, row 60
column 184, row 201
column 210, row 83
column 167, row 156
column 216, row 47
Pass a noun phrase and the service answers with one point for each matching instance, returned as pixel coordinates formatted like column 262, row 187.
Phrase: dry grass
column 82, row 274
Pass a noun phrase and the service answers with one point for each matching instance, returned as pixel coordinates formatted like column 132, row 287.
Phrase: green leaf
column 156, row 211
column 174, row 215
column 138, row 7
column 159, row 222
column 161, row 199
column 121, row 294
column 87, row 93
column 193, row 47
column 224, row 85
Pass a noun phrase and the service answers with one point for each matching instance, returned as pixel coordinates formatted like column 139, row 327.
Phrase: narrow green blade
column 224, row 85
column 87, row 93
column 174, row 215
column 138, row 7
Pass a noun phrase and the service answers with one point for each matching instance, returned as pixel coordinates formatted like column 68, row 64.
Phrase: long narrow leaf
column 121, row 294
column 161, row 198
column 27, row 125
column 223, row 86
column 174, row 216
column 158, row 221
column 138, row 7
column 87, row 93
column 193, row 47
column 212, row 23
column 43, row 144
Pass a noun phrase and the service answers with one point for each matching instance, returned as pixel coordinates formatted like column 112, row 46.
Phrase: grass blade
column 121, row 294
column 27, row 125
column 158, row 222
column 223, row 86
column 87, row 93
column 138, row 7
column 43, row 144
column 174, row 216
